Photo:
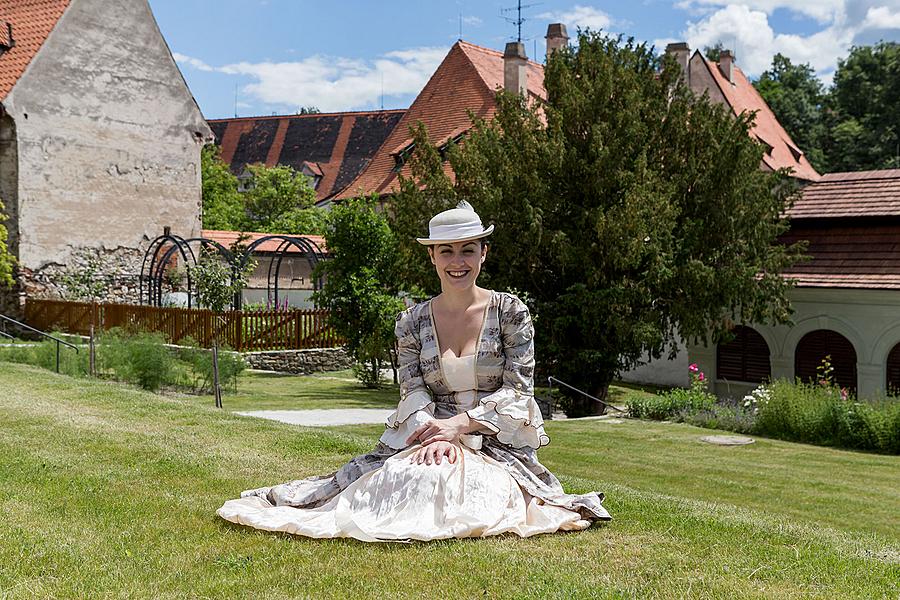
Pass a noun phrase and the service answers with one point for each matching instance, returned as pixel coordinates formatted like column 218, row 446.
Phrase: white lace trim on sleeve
column 514, row 417
column 412, row 411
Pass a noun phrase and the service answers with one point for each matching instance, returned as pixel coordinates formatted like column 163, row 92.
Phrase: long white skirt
column 473, row 497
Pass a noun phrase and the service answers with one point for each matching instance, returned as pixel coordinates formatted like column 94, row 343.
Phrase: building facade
column 100, row 141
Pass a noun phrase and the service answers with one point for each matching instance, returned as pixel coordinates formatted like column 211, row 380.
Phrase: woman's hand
column 434, row 452
column 441, row 430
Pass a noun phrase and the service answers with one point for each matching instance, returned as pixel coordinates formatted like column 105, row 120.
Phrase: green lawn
column 274, row 391
column 109, row 491
column 258, row 390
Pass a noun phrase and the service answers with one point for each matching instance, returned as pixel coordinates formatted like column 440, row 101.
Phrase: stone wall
column 300, row 362
column 117, row 271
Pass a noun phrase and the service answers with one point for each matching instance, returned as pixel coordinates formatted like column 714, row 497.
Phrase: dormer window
column 402, row 155
column 795, row 152
column 6, row 36
column 245, row 180
column 769, row 147
column 313, row 173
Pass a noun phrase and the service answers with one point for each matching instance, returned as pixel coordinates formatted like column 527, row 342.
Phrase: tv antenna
column 518, row 20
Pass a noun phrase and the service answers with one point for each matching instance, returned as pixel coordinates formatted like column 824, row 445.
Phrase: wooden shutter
column 815, row 346
column 745, row 358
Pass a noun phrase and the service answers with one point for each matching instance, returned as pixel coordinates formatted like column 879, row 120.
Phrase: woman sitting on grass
column 457, row 458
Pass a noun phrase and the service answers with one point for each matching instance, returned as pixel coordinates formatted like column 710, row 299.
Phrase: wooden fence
column 240, row 330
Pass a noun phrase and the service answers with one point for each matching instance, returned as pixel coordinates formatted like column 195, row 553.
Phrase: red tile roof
column 743, row 97
column 467, row 79
column 847, row 255
column 32, row 21
column 856, row 194
column 227, row 238
column 336, row 146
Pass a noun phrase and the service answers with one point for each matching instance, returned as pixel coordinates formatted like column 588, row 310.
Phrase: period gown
column 496, row 484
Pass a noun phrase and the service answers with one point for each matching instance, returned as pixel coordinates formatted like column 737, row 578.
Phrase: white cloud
column 472, row 20
column 333, row 83
column 193, row 62
column 823, row 11
column 750, row 35
column 882, row 17
column 579, row 16
column 743, row 26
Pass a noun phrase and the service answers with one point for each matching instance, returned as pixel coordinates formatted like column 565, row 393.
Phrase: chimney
column 515, row 68
column 682, row 53
column 726, row 65
column 557, row 37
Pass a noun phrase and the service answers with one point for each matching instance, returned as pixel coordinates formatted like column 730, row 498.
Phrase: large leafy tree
column 360, row 288
column 796, row 96
column 223, row 207
column 863, row 110
column 629, row 209
column 7, row 261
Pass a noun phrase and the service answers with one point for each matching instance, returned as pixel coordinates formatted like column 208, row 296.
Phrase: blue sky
column 278, row 55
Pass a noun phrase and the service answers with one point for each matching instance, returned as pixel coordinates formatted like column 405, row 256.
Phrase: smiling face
column 458, row 264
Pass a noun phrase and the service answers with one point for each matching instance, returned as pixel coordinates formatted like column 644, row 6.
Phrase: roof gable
column 467, row 79
column 32, row 21
column 741, row 96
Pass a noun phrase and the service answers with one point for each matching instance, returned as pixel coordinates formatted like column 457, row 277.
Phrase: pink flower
column 700, row 376
column 693, row 368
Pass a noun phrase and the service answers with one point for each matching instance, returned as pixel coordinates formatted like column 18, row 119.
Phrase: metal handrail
column 6, row 335
column 46, row 335
column 551, row 379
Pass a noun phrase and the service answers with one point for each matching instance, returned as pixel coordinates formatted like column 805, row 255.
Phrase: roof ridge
column 491, row 51
column 873, row 174
column 354, row 113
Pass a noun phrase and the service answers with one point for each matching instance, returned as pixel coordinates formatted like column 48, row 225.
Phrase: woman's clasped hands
column 438, row 438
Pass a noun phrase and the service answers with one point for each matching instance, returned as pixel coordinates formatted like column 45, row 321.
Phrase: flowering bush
column 675, row 403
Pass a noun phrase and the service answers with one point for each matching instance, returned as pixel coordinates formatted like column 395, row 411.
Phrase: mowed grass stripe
column 112, row 491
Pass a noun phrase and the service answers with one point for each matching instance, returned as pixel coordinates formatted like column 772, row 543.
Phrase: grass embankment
column 112, row 491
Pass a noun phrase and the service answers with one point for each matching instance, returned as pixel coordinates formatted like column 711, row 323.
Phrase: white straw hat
column 460, row 224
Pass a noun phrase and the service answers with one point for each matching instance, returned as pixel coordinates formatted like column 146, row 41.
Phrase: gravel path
column 323, row 417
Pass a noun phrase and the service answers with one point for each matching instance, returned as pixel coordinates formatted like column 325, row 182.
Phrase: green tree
column 631, row 210
column 87, row 278
column 863, row 110
column 223, row 206
column 796, row 96
column 300, row 221
column 361, row 284
column 7, row 260
column 714, row 52
column 274, row 192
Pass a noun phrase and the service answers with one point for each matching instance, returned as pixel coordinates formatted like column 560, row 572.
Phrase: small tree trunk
column 376, row 375
column 217, row 391
column 393, row 354
column 601, row 392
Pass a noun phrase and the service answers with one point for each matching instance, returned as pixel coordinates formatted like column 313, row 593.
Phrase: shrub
column 231, row 365
column 675, row 403
column 721, row 416
column 142, row 358
column 822, row 414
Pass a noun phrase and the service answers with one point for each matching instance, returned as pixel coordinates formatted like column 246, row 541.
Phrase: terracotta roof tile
column 340, row 145
column 857, row 194
column 857, row 255
column 743, row 97
column 467, row 79
column 227, row 238
column 32, row 21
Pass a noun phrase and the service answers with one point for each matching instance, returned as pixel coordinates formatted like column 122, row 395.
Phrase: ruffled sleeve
column 512, row 412
column 416, row 405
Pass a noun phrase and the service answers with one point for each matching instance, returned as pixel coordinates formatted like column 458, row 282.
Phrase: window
column 815, row 346
column 892, row 385
column 744, row 358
